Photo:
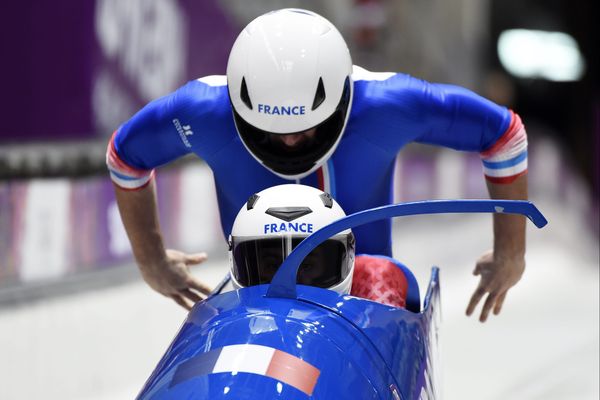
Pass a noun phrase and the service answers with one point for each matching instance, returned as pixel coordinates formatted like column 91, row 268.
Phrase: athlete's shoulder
column 203, row 116
column 382, row 87
column 389, row 80
column 360, row 74
column 391, row 94
column 206, row 94
column 198, row 112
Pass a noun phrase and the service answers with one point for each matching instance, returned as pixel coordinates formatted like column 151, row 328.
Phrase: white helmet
column 289, row 71
column 270, row 226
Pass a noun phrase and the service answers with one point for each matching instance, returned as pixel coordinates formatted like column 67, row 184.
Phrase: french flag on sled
column 252, row 359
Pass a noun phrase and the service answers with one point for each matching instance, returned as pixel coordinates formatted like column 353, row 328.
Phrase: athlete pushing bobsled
column 293, row 109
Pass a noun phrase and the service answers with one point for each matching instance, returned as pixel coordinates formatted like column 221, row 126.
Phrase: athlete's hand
column 497, row 276
column 172, row 278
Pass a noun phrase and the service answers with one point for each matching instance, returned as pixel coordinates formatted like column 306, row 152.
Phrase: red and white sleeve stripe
column 122, row 174
column 506, row 160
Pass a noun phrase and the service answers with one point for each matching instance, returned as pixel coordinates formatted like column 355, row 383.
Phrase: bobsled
column 284, row 340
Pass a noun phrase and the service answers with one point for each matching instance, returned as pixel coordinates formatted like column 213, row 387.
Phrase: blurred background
column 76, row 320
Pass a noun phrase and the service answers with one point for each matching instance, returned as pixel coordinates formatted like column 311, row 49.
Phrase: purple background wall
column 46, row 69
column 75, row 69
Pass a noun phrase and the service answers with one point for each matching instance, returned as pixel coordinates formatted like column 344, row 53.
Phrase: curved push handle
column 283, row 283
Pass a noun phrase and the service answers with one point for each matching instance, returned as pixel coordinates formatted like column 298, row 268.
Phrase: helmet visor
column 295, row 160
column 255, row 261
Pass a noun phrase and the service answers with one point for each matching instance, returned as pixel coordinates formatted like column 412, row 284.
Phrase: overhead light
column 554, row 56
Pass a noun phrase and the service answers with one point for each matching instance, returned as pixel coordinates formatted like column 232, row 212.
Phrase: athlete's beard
column 305, row 141
column 297, row 148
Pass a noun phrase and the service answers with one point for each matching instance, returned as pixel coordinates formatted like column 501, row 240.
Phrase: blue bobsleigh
column 289, row 341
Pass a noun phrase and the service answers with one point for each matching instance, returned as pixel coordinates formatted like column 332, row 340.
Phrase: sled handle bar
column 283, row 283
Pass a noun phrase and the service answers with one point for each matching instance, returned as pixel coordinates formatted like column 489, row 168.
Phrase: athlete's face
column 294, row 141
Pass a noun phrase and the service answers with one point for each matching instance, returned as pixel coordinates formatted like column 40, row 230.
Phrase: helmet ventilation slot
column 244, row 94
column 319, row 95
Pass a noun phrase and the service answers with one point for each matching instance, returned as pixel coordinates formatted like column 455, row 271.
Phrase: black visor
column 256, row 261
column 302, row 159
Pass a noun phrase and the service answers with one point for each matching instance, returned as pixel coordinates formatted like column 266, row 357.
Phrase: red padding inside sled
column 379, row 280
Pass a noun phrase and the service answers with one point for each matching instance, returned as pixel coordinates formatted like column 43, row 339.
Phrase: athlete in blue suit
column 292, row 108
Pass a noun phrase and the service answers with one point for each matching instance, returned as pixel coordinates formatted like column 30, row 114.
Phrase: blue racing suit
column 388, row 111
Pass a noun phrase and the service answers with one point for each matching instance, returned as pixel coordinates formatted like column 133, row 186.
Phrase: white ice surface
column 103, row 344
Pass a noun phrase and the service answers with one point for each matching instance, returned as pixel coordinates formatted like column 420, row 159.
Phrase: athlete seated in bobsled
column 274, row 221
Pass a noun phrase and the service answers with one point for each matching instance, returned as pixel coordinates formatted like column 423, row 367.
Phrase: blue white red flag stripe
column 122, row 174
column 506, row 163
column 326, row 178
column 507, row 158
column 505, row 179
column 320, row 179
column 253, row 359
column 507, row 171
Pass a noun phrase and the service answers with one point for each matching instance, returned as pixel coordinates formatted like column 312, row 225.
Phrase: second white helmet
column 273, row 222
column 289, row 72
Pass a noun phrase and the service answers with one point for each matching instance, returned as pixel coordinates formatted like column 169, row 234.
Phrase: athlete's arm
column 505, row 168
column 149, row 139
column 501, row 268
column 462, row 120
column 166, row 271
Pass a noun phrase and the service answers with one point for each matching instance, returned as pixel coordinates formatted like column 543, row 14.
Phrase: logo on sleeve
column 184, row 131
